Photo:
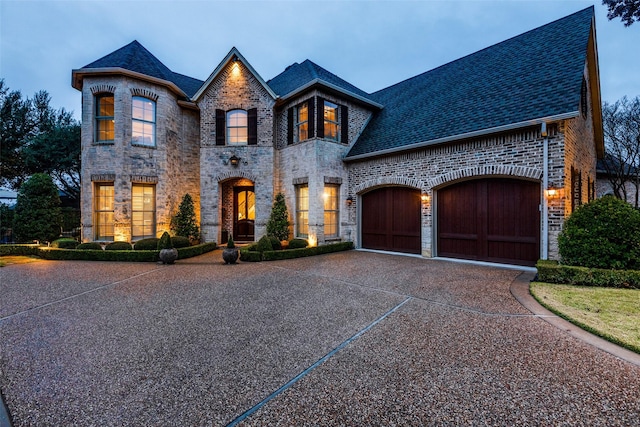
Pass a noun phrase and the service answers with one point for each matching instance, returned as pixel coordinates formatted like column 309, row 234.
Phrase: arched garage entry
column 391, row 219
column 490, row 219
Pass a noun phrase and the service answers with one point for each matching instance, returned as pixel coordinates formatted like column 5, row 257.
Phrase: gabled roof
column 137, row 59
column 536, row 75
column 296, row 78
column 233, row 55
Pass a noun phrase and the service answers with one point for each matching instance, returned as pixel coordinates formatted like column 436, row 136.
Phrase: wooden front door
column 391, row 220
column 493, row 219
column 244, row 213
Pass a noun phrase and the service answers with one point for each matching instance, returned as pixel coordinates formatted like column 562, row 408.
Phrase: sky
column 371, row 44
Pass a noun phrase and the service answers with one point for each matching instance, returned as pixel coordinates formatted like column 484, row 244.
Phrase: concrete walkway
column 351, row 338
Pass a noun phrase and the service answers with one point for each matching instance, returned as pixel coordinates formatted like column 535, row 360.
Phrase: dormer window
column 143, row 122
column 104, row 118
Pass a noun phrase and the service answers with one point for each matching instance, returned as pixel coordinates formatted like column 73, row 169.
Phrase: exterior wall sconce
column 234, row 160
column 425, row 197
column 349, row 200
column 552, row 192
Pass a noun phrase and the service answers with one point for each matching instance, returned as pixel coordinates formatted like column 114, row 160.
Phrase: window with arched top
column 237, row 127
column 143, row 121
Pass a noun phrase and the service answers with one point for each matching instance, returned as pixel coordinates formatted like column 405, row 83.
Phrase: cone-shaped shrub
column 165, row 242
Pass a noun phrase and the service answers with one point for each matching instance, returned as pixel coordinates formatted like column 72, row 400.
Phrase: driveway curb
column 520, row 290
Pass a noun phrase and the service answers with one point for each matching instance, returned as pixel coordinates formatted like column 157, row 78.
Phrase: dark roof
column 611, row 162
column 297, row 76
column 135, row 57
column 534, row 75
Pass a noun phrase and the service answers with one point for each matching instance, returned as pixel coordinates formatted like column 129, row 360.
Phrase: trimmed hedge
column 298, row 243
column 150, row 244
column 99, row 254
column 552, row 272
column 180, row 242
column 26, row 250
column 118, row 246
column 65, row 243
column 94, row 246
column 251, row 254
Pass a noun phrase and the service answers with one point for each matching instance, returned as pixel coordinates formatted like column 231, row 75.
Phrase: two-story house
column 482, row 158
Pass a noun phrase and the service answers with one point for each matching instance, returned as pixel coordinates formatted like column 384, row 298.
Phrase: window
column 302, row 122
column 143, row 122
column 237, row 129
column 103, row 205
column 143, row 211
column 331, row 211
column 104, row 118
column 331, row 121
column 302, row 211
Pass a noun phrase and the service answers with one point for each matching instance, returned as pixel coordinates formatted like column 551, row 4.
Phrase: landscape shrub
column 37, row 214
column 165, row 242
column 184, row 222
column 89, row 246
column 118, row 246
column 196, row 250
column 264, row 244
column 180, row 242
column 604, row 233
column 309, row 251
column 26, row 250
column 275, row 243
column 250, row 254
column 149, row 244
column 298, row 243
column 278, row 224
column 65, row 243
column 553, row 272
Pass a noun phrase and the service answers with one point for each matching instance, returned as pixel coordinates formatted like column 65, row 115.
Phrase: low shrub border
column 553, row 272
column 250, row 254
column 102, row 255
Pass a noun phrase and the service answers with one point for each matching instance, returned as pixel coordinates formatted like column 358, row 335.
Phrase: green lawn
column 17, row 259
column 612, row 313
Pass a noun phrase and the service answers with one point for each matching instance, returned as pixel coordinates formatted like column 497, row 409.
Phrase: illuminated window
column 103, row 211
column 302, row 122
column 331, row 210
column 104, row 118
column 143, row 211
column 237, row 129
column 331, row 121
column 143, row 122
column 302, row 211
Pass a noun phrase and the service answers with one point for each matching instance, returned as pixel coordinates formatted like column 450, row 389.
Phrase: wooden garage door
column 391, row 220
column 496, row 220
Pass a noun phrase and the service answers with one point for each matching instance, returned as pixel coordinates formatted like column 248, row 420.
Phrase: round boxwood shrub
column 65, row 243
column 275, row 243
column 604, row 233
column 180, row 242
column 264, row 244
column 118, row 246
column 298, row 243
column 90, row 245
column 150, row 244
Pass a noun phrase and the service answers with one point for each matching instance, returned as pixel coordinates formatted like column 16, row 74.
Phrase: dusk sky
column 371, row 44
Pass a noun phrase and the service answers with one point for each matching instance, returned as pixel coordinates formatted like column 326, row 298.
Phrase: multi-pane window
column 143, row 211
column 302, row 122
column 331, row 210
column 143, row 121
column 237, row 127
column 331, row 121
column 104, row 118
column 103, row 211
column 302, row 211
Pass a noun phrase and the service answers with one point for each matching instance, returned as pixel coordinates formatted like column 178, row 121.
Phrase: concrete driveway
column 354, row 338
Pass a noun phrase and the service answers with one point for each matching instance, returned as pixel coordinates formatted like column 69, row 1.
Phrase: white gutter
column 482, row 132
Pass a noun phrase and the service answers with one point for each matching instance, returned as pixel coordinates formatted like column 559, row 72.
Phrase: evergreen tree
column 37, row 213
column 278, row 224
column 184, row 222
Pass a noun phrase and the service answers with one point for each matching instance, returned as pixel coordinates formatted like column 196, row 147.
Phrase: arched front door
column 244, row 213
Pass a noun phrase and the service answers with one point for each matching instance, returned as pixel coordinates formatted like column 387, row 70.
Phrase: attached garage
column 492, row 219
column 391, row 220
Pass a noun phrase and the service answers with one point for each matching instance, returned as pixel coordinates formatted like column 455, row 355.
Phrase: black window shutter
column 252, row 126
column 290, row 126
column 344, row 124
column 311, row 118
column 320, row 118
column 220, row 126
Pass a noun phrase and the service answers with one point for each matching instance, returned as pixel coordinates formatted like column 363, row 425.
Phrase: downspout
column 545, row 185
